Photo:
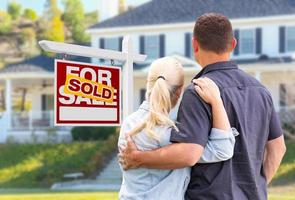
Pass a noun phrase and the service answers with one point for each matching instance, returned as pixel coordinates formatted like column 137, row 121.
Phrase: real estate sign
column 87, row 94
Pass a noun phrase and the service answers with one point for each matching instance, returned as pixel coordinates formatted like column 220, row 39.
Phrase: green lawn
column 282, row 187
column 61, row 196
column 49, row 195
column 41, row 165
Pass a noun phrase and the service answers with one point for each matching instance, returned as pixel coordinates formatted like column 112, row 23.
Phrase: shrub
column 92, row 133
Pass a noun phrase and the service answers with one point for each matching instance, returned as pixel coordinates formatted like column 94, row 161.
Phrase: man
column 259, row 147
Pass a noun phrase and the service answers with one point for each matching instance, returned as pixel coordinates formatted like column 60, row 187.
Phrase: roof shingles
column 180, row 11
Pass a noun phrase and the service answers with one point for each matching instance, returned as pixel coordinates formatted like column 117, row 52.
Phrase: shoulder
column 190, row 96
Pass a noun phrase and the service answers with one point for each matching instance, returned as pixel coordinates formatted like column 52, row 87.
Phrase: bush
column 289, row 127
column 92, row 133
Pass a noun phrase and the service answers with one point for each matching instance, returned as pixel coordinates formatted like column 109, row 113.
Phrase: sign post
column 92, row 92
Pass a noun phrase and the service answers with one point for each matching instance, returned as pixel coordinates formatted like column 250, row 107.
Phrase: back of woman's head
column 164, row 82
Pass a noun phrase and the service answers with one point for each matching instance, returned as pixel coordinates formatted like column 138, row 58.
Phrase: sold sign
column 86, row 94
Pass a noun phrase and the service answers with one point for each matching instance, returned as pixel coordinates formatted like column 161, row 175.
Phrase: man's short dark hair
column 213, row 31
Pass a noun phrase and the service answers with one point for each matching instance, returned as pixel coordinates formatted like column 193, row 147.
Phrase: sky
column 37, row 5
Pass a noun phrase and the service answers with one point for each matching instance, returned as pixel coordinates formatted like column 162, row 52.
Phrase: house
column 33, row 80
column 264, row 29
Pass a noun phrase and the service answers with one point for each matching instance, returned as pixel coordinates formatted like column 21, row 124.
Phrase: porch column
column 8, row 102
column 258, row 75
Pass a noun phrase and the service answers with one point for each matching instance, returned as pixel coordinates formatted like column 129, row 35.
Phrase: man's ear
column 195, row 45
column 233, row 44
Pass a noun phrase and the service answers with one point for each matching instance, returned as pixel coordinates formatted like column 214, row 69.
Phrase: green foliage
column 15, row 10
column 91, row 18
column 289, row 127
column 53, row 25
column 41, row 165
column 74, row 18
column 30, row 14
column 51, row 10
column 55, row 31
column 5, row 22
column 92, row 133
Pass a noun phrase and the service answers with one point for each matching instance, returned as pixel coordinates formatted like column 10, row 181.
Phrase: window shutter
column 43, row 102
column 162, row 45
column 188, row 41
column 237, row 34
column 101, row 45
column 282, row 39
column 258, row 40
column 142, row 95
column 120, row 43
column 141, row 44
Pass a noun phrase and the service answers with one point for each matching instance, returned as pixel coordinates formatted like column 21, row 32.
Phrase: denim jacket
column 151, row 184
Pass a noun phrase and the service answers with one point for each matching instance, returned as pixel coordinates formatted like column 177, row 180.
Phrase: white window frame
column 241, row 43
column 156, row 48
column 286, row 39
column 192, row 55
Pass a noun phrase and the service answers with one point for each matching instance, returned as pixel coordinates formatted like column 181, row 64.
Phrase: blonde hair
column 165, row 77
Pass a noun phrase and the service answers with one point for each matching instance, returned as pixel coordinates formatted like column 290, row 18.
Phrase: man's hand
column 127, row 155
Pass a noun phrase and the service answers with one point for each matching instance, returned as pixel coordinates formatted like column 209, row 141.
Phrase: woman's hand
column 207, row 90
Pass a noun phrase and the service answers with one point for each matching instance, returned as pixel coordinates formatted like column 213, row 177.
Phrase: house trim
column 280, row 19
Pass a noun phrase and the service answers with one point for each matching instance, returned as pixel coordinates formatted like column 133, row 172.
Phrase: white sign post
column 127, row 56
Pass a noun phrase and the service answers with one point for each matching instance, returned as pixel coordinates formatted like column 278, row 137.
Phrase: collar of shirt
column 217, row 66
column 145, row 106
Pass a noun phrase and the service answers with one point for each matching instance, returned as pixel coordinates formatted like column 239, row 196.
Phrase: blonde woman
column 150, row 128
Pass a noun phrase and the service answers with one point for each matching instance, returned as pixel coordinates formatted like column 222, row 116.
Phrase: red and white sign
column 87, row 94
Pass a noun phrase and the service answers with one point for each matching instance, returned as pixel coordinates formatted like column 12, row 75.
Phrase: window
column 142, row 95
column 47, row 102
column 189, row 52
column 247, row 41
column 290, row 38
column 152, row 46
column 111, row 43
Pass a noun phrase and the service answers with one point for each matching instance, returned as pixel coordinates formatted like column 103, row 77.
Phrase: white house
column 265, row 31
column 35, row 76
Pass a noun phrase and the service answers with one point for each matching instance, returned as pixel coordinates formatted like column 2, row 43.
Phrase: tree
column 5, row 22
column 54, row 29
column 51, row 10
column 74, row 18
column 30, row 14
column 55, row 32
column 14, row 9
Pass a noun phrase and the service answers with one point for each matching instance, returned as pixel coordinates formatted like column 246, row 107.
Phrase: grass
column 282, row 187
column 41, row 165
column 48, row 195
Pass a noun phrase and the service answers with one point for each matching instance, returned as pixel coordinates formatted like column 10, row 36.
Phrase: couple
column 198, row 156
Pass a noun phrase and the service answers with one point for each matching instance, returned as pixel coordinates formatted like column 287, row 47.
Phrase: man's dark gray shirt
column 251, row 111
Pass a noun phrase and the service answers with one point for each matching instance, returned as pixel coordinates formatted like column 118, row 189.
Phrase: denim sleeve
column 220, row 146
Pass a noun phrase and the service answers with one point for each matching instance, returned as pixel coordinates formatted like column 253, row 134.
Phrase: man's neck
column 211, row 58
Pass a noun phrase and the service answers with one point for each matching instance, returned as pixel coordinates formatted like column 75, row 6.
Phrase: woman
column 150, row 128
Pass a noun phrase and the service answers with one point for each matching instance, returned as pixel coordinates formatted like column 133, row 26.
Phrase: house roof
column 37, row 64
column 175, row 11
